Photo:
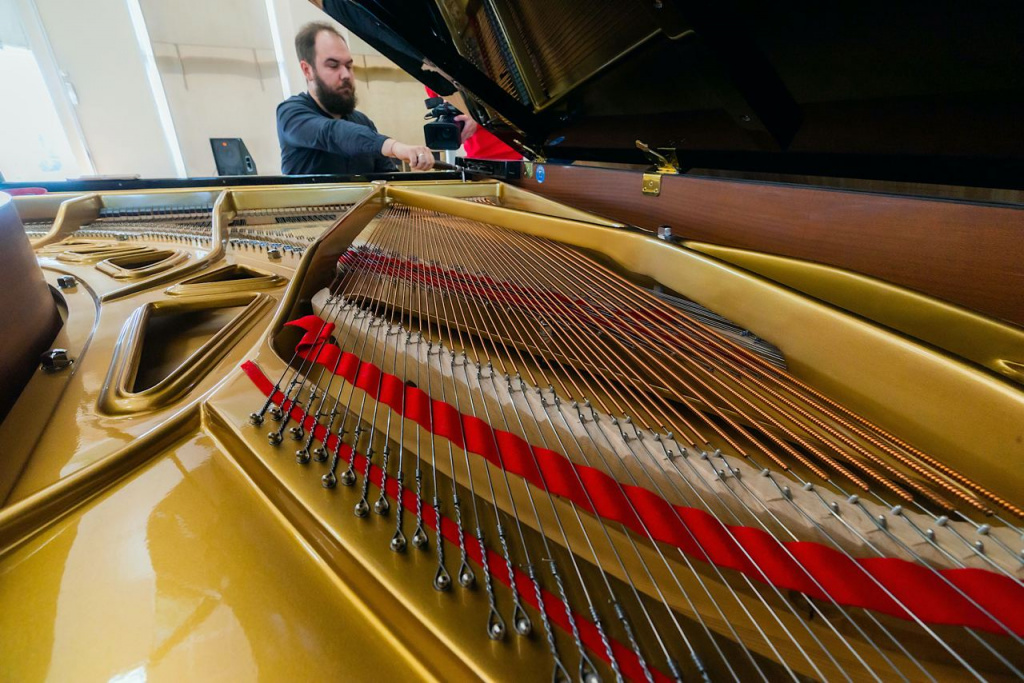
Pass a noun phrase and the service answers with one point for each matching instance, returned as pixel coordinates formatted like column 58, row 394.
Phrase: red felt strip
column 553, row 606
column 889, row 585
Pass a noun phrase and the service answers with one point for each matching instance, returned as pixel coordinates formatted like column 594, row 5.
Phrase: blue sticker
column 540, row 174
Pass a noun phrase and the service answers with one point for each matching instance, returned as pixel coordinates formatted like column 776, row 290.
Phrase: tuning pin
column 319, row 454
column 348, row 477
column 302, row 456
column 276, row 413
column 297, row 433
column 329, row 481
column 274, row 438
column 466, row 576
column 255, row 419
column 398, row 542
column 495, row 625
column 382, row 506
column 521, row 620
column 362, row 509
column 560, row 675
column 419, row 538
column 588, row 673
column 442, row 579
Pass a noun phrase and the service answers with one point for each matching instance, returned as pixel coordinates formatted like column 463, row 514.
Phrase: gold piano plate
column 140, row 264
column 163, row 518
column 234, row 278
column 166, row 347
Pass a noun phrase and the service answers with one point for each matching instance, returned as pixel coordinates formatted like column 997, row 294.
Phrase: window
column 33, row 145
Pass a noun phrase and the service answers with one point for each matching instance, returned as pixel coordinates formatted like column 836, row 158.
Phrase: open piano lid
column 897, row 90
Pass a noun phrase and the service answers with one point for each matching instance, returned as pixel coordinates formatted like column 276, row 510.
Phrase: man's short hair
column 305, row 40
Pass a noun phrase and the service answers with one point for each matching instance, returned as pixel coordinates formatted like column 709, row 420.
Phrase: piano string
column 562, row 357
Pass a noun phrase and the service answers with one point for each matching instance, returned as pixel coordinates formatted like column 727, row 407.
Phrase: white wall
column 220, row 74
column 94, row 43
column 221, row 92
column 33, row 143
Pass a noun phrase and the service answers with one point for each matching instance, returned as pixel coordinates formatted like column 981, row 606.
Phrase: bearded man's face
column 331, row 74
column 339, row 100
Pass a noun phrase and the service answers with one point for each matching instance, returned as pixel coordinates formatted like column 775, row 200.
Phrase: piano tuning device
column 626, row 475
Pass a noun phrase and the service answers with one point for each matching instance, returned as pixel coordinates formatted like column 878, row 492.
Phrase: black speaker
column 232, row 157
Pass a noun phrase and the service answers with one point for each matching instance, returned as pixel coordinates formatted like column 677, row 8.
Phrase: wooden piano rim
column 970, row 254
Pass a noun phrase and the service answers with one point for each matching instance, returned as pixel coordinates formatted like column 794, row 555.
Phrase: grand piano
column 724, row 380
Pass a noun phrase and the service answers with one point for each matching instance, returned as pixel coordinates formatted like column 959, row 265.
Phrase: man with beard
column 320, row 130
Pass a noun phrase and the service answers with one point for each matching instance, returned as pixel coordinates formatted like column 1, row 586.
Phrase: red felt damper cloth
column 970, row 597
column 553, row 606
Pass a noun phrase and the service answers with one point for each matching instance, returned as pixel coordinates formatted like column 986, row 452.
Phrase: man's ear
column 307, row 70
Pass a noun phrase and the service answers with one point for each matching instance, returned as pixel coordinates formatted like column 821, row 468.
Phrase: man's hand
column 418, row 157
column 469, row 126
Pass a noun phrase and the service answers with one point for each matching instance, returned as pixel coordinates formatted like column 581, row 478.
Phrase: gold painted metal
column 69, row 211
column 118, row 396
column 79, row 250
column 33, row 208
column 139, row 265
column 227, row 279
column 74, row 211
column 191, row 574
column 218, row 238
column 467, row 637
column 993, row 344
column 664, row 162
column 320, row 262
column 247, row 199
column 35, row 457
column 210, row 555
column 966, row 413
column 651, row 184
column 448, row 635
column 128, row 199
column 274, row 367
column 39, row 211
column 26, row 517
column 510, row 197
column 70, row 215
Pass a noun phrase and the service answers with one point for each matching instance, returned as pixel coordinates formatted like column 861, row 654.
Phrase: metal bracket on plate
column 665, row 162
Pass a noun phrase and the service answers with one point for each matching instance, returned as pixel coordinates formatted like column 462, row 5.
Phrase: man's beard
column 333, row 101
